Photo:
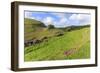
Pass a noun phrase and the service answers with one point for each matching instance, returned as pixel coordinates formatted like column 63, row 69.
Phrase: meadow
column 54, row 43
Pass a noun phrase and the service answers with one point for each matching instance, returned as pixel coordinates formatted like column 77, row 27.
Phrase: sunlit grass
column 55, row 47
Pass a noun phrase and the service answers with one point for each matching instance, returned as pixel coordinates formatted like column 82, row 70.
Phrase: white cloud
column 73, row 17
column 63, row 22
column 61, row 15
column 48, row 20
column 27, row 14
column 80, row 18
column 30, row 16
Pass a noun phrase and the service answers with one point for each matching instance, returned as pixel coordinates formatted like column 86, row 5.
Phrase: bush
column 51, row 26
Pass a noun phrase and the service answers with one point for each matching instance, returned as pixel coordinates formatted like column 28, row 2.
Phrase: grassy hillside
column 31, row 25
column 71, row 45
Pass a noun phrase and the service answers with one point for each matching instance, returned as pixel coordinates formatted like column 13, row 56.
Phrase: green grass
column 56, row 46
column 82, row 53
column 31, row 27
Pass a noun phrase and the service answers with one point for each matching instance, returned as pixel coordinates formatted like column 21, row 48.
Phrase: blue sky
column 60, row 19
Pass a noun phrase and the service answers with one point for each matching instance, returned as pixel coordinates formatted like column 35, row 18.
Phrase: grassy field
column 74, row 44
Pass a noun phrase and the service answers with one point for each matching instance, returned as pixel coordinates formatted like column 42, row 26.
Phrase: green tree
column 51, row 26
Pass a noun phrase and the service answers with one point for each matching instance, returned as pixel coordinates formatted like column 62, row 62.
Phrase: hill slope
column 72, row 45
column 30, row 25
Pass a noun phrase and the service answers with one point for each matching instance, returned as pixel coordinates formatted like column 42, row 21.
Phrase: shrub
column 51, row 26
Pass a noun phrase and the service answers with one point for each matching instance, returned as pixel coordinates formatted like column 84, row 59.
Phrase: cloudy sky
column 59, row 19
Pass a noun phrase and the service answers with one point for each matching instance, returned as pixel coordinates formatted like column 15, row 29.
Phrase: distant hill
column 76, row 27
column 33, row 23
column 34, row 29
